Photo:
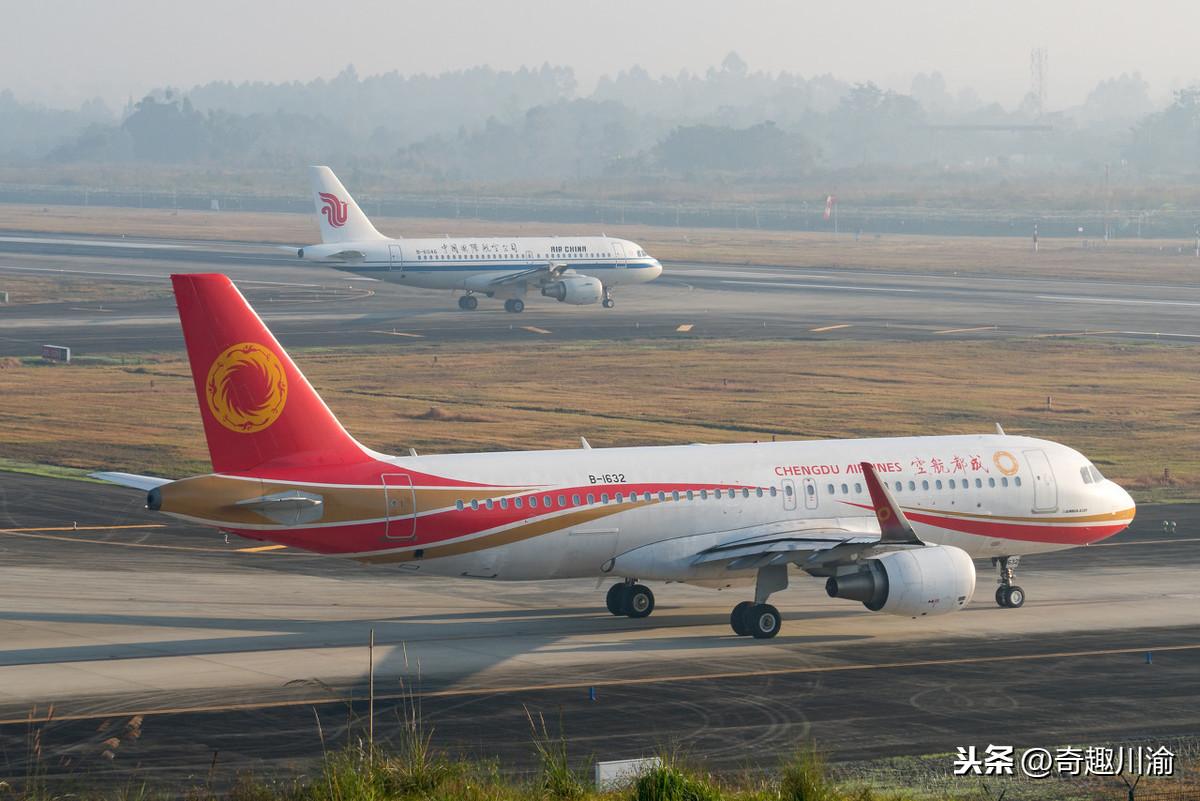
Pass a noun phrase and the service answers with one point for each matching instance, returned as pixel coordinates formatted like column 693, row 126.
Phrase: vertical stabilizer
column 257, row 407
column 340, row 218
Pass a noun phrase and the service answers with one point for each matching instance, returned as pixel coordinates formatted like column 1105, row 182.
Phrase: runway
column 128, row 622
column 312, row 305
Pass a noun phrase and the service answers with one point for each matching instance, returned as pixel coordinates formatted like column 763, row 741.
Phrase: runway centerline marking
column 79, row 540
column 819, row 286
column 830, row 328
column 398, row 334
column 81, row 528
column 576, row 685
column 967, row 330
column 1120, row 301
column 684, row 328
column 1074, row 334
column 533, row 329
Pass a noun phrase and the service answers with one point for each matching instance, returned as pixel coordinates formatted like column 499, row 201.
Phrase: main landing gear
column 608, row 302
column 514, row 305
column 468, row 303
column 1008, row 595
column 757, row 618
column 630, row 599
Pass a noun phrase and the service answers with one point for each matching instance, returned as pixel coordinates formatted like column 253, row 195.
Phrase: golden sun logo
column 246, row 388
column 1005, row 462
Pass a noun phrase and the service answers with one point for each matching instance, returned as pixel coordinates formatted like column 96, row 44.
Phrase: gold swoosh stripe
column 1107, row 517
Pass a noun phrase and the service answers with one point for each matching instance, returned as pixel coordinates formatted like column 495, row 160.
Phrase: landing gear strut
column 608, row 302
column 514, row 305
column 468, row 303
column 630, row 599
column 757, row 618
column 1008, row 595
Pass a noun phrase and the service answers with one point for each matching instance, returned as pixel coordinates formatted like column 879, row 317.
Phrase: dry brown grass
column 65, row 289
column 1158, row 260
column 1129, row 407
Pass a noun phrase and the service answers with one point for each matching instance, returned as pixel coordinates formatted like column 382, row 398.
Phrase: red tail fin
column 256, row 405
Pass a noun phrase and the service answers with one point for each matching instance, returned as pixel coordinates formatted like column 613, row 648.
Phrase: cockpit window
column 1095, row 473
column 1086, row 472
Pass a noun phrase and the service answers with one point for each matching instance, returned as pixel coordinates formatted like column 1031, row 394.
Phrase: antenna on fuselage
column 583, row 443
column 999, row 429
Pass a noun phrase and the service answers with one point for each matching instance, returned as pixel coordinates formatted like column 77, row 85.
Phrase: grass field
column 1129, row 407
column 1158, row 260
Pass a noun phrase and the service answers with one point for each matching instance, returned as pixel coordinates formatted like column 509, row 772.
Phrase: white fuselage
column 991, row 495
column 480, row 264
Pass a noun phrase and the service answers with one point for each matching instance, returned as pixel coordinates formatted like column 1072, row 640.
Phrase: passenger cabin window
column 829, row 488
column 458, row 505
column 991, row 482
column 1017, row 480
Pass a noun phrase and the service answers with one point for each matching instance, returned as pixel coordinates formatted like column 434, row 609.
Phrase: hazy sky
column 64, row 51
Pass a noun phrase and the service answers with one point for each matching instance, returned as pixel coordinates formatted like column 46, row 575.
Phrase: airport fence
column 852, row 220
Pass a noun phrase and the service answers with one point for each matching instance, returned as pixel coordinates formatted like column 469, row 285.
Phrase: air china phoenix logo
column 333, row 209
column 246, row 388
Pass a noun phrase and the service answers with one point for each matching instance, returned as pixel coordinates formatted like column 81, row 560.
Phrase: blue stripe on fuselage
column 482, row 267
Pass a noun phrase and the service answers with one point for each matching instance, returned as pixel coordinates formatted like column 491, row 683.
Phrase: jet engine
column 913, row 582
column 578, row 290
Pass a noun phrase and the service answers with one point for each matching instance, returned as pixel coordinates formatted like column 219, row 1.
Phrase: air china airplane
column 577, row 270
column 894, row 524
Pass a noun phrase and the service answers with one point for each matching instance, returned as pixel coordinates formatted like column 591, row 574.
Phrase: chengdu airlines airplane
column 894, row 524
column 577, row 270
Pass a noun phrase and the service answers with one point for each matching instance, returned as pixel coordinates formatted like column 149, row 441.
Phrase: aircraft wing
column 819, row 550
column 131, row 480
column 542, row 274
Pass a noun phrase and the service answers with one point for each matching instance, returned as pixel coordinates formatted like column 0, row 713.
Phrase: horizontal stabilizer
column 144, row 483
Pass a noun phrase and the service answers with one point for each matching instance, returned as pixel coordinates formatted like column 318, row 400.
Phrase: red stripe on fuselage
column 1066, row 533
column 451, row 524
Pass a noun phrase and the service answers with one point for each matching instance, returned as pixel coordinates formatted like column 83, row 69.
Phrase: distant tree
column 167, row 131
column 763, row 149
column 1169, row 139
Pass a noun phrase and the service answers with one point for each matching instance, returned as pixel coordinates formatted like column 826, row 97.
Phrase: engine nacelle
column 578, row 290
column 913, row 582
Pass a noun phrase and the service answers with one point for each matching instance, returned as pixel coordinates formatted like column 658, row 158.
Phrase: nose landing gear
column 1008, row 595
column 608, row 301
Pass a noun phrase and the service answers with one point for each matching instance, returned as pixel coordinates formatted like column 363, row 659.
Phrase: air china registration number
column 607, row 478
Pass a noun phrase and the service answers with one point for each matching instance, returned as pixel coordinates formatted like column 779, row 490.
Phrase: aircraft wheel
column 763, row 620
column 1014, row 597
column 639, row 601
column 609, row 303
column 615, row 600
column 1000, row 596
column 737, row 618
column 468, row 303
column 515, row 305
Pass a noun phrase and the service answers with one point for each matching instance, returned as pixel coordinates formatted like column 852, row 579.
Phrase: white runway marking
column 1121, row 301
column 821, row 286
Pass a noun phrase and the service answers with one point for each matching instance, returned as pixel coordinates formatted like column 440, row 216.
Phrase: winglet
column 893, row 525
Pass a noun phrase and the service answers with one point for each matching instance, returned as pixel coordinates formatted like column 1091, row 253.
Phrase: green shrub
column 804, row 778
column 669, row 783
